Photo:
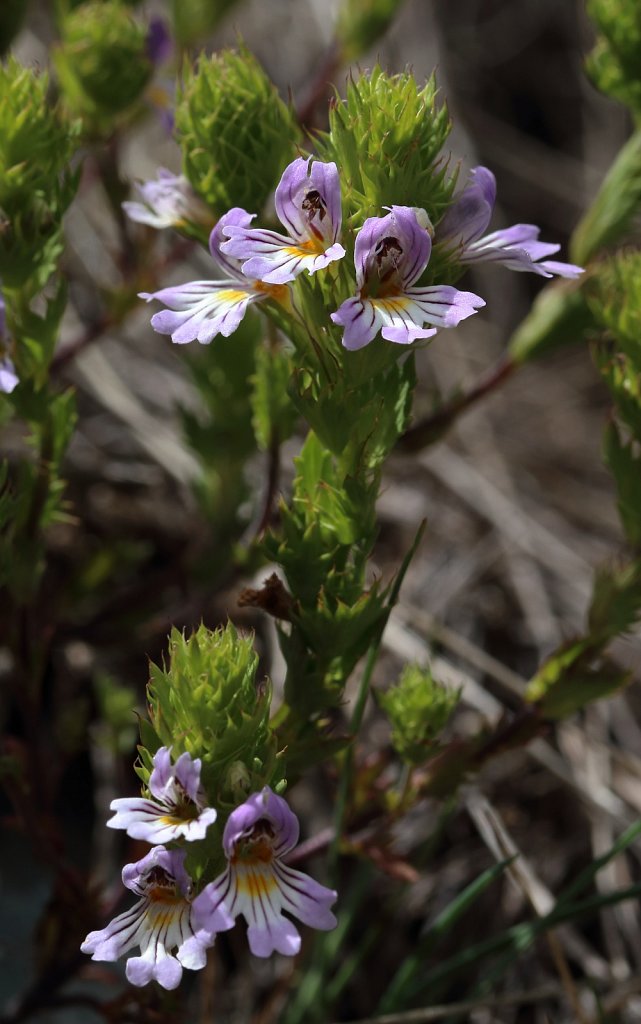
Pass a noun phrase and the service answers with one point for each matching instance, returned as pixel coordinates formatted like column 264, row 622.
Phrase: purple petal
column 569, row 270
column 187, row 773
column 308, row 200
column 360, row 320
column 8, row 377
column 394, row 246
column 445, row 306
column 200, row 310
column 172, row 862
column 470, row 213
column 306, row 898
column 266, row 806
column 275, row 935
column 161, row 772
column 159, row 42
column 210, row 910
column 274, row 258
column 236, row 217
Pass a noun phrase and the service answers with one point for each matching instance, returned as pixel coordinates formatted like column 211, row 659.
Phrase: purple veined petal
column 470, row 213
column 394, row 247
column 187, row 774
column 259, row 900
column 200, row 310
column 308, row 201
column 443, row 305
column 234, row 218
column 120, row 935
column 213, row 909
column 263, row 806
column 157, row 823
column 306, row 898
column 277, row 259
column 555, row 268
column 360, row 321
column 161, row 772
column 170, row 862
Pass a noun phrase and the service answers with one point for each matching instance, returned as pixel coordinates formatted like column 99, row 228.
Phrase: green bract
column 36, row 184
column 235, row 132
column 102, row 62
column 386, row 137
column 205, row 700
column 615, row 62
column 418, row 709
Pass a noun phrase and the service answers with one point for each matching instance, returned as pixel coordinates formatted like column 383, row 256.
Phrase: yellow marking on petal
column 255, row 884
column 395, row 304
column 231, row 295
column 160, row 894
column 175, row 819
column 277, row 292
column 310, row 247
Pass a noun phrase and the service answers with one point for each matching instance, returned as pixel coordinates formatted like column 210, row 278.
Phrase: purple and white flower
column 8, row 376
column 177, row 806
column 516, row 247
column 200, row 310
column 258, row 884
column 159, row 923
column 390, row 255
column 167, row 202
column 308, row 204
column 159, row 44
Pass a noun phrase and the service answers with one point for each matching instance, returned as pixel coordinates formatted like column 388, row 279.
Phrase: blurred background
column 519, row 507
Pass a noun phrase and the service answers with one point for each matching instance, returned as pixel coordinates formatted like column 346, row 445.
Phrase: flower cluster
column 391, row 253
column 173, row 927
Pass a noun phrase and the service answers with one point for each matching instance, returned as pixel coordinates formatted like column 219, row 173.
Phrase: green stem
column 359, row 706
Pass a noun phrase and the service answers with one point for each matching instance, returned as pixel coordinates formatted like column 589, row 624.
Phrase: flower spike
column 176, row 809
column 391, row 253
column 308, row 204
column 517, row 247
column 200, row 310
column 259, row 885
column 160, row 922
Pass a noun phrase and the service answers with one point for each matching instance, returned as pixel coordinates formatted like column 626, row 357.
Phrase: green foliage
column 220, row 433
column 625, row 465
column 235, row 132
column 386, row 137
column 325, row 538
column 273, row 414
column 206, row 700
column 559, row 316
column 418, row 708
column 36, row 184
column 617, row 202
column 194, row 19
column 361, row 23
column 102, row 62
column 615, row 63
column 616, row 305
column 117, row 729
column 579, row 672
